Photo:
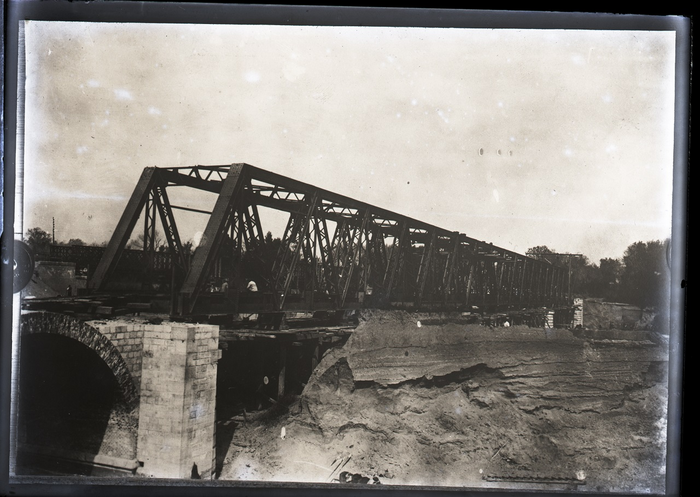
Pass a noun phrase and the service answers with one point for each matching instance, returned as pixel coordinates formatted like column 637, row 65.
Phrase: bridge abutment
column 165, row 373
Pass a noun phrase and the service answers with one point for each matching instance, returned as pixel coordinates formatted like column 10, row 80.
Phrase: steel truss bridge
column 336, row 252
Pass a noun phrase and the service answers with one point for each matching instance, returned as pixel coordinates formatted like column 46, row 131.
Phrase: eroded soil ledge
column 450, row 404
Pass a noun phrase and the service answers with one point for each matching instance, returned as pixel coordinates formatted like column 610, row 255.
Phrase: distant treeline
column 641, row 277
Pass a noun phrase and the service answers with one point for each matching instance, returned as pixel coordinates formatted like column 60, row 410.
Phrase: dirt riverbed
column 426, row 400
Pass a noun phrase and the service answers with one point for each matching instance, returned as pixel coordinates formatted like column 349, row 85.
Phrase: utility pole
column 53, row 231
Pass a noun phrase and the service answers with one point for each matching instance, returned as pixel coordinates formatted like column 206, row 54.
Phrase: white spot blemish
column 500, row 104
column 607, row 98
column 252, row 76
column 611, row 148
column 554, row 192
column 197, row 238
column 92, row 83
column 122, row 94
column 154, row 111
column 495, row 195
column 81, row 149
column 196, row 411
column 578, row 60
column 398, row 114
column 418, row 324
column 414, row 102
column 568, row 152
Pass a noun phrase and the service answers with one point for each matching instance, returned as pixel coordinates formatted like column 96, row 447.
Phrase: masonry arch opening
column 73, row 415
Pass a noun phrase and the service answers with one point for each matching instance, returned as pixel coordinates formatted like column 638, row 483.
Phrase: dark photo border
column 223, row 13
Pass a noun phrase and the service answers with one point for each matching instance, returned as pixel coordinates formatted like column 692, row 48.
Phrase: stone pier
column 178, row 401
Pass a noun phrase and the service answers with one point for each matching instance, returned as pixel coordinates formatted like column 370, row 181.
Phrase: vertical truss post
column 252, row 233
column 149, row 226
column 522, row 295
column 470, row 279
column 500, row 270
column 219, row 222
column 288, row 256
column 494, row 267
column 353, row 245
column 450, row 265
column 169, row 227
column 325, row 250
column 511, row 268
column 395, row 266
column 537, row 283
column 149, row 238
column 483, row 280
column 424, row 268
column 378, row 256
column 366, row 249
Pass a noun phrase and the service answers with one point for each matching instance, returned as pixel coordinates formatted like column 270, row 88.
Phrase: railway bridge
column 136, row 372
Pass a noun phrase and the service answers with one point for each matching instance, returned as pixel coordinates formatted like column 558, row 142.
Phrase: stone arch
column 61, row 324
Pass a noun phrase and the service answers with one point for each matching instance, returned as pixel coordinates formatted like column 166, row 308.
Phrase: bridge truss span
column 335, row 253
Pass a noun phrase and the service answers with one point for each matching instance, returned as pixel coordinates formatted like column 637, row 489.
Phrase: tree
column 39, row 240
column 158, row 242
column 645, row 276
column 539, row 252
column 610, row 271
column 585, row 277
column 76, row 241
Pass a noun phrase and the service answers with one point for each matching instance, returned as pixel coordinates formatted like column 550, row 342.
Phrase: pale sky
column 516, row 137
